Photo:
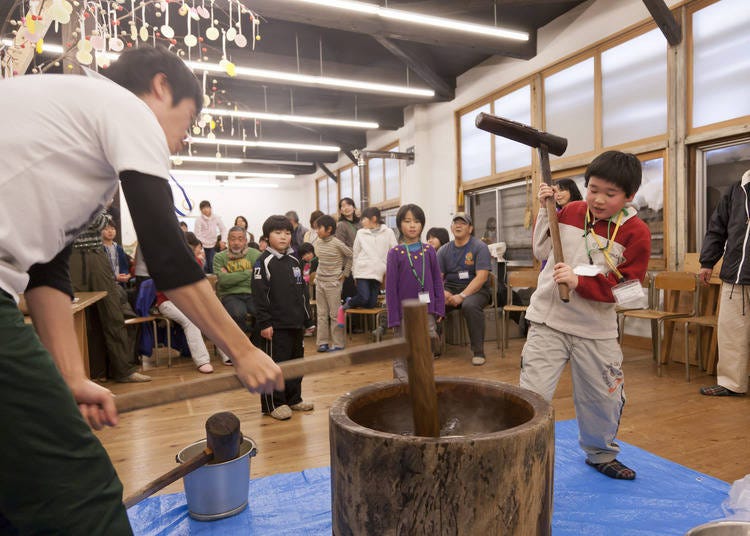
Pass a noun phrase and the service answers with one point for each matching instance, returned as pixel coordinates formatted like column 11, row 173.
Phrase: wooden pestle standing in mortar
column 223, row 440
column 420, row 364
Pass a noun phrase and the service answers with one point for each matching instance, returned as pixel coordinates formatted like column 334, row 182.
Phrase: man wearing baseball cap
column 465, row 265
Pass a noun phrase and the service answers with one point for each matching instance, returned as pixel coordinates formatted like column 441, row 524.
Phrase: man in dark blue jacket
column 729, row 235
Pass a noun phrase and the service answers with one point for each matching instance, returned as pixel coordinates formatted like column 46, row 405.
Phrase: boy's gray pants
column 598, row 393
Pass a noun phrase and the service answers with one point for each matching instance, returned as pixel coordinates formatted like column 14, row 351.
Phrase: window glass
column 345, row 183
column 333, row 197
column 484, row 215
column 649, row 201
column 634, row 89
column 515, row 106
column 323, row 196
column 389, row 218
column 375, row 170
column 476, row 149
column 569, row 106
column 721, row 64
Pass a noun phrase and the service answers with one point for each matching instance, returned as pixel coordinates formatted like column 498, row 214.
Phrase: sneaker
column 309, row 332
column 335, row 348
column 341, row 317
column 206, row 368
column 323, row 348
column 135, row 377
column 718, row 390
column 478, row 360
column 281, row 413
column 303, row 406
column 228, row 363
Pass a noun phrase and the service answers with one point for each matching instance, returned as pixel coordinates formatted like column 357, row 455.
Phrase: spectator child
column 583, row 332
column 371, row 247
column 283, row 313
column 207, row 227
column 311, row 236
column 437, row 237
column 334, row 265
column 117, row 257
column 413, row 273
column 193, row 335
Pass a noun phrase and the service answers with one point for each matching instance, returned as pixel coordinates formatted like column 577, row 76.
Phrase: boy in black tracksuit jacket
column 283, row 313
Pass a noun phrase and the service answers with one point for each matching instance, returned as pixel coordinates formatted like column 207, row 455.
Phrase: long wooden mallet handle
column 546, row 143
column 368, row 353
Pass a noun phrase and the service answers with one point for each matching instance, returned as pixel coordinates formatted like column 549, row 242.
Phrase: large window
column 503, row 214
column 634, row 89
column 476, row 147
column 569, row 106
column 385, row 179
column 721, row 63
column 515, row 106
column 349, row 184
column 328, row 195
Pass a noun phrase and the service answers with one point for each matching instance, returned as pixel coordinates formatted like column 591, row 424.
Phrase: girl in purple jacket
column 412, row 272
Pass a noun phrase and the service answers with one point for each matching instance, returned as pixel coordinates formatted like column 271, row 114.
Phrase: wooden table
column 81, row 301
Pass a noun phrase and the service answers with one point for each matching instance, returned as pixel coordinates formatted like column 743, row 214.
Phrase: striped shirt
column 334, row 259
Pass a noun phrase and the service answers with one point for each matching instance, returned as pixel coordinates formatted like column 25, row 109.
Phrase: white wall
column 235, row 198
column 430, row 128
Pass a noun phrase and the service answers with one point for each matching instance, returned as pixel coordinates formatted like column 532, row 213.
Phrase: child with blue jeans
column 371, row 247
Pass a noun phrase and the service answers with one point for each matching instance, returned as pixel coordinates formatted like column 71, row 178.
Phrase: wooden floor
column 666, row 416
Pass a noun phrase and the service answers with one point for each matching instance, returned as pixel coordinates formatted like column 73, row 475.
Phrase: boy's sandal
column 718, row 390
column 613, row 469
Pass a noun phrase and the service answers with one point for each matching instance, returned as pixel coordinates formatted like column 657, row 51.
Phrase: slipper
column 613, row 469
column 206, row 368
column 718, row 390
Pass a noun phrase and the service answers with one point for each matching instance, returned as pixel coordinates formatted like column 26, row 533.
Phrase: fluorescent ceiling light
column 292, row 118
column 232, row 184
column 266, row 74
column 265, row 144
column 206, row 159
column 231, row 173
column 323, row 81
column 263, row 175
column 444, row 24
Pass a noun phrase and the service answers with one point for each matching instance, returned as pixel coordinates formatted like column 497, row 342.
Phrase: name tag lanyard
column 411, row 265
column 185, row 195
column 589, row 228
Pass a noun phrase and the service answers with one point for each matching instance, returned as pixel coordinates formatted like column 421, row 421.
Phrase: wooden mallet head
column 223, row 436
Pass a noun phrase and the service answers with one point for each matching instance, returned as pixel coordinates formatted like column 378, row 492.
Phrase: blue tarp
column 666, row 498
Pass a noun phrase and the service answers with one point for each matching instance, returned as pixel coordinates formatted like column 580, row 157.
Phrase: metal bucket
column 216, row 491
column 721, row 528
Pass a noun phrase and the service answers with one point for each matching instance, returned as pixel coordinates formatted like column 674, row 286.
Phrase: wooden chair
column 707, row 315
column 668, row 287
column 648, row 285
column 368, row 314
column 153, row 319
column 516, row 279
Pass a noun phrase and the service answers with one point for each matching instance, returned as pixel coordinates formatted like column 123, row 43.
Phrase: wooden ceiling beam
column 665, row 20
column 443, row 88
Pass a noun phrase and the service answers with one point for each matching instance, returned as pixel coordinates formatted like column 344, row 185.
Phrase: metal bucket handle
column 251, row 454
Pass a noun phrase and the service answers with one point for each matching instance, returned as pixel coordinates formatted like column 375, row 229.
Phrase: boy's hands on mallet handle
column 705, row 275
column 563, row 273
column 545, row 191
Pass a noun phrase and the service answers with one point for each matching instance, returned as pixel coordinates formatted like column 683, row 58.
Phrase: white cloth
column 67, row 138
column 370, row 251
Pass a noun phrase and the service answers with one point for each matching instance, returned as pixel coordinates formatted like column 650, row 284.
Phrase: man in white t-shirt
column 68, row 140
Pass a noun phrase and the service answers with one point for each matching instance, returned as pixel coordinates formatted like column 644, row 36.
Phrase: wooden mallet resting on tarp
column 546, row 143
